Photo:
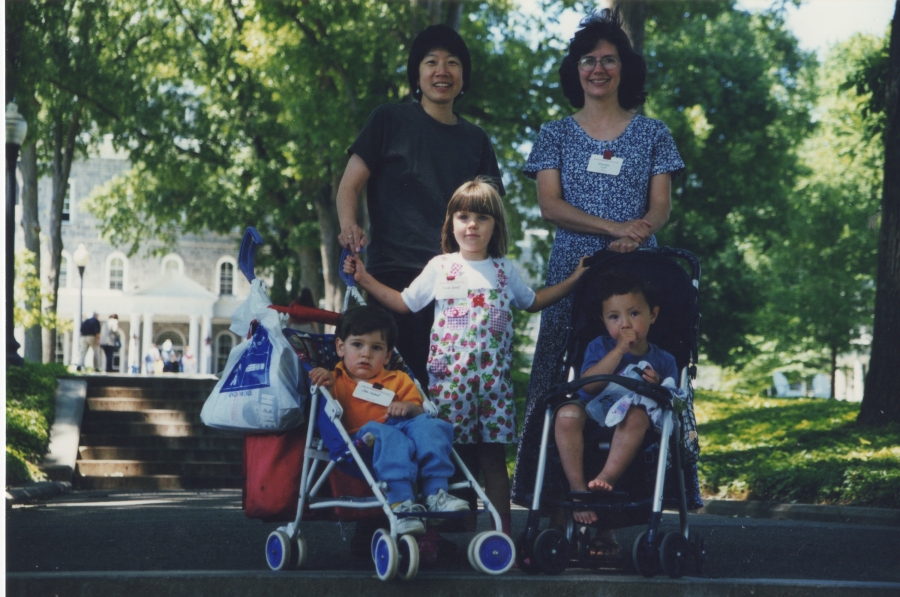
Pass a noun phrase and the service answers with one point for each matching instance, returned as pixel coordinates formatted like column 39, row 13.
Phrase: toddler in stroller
column 624, row 405
column 383, row 411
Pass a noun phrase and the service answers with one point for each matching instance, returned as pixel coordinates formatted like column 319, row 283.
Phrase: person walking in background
column 111, row 341
column 168, row 357
column 151, row 359
column 188, row 361
column 90, row 338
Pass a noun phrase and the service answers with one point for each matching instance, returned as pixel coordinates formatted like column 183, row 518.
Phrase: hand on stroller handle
column 659, row 394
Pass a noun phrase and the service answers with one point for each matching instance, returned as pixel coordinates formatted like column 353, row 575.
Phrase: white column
column 206, row 345
column 194, row 334
column 134, row 343
column 67, row 348
column 146, row 336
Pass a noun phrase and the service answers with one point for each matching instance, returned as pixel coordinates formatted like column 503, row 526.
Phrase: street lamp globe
column 81, row 256
column 16, row 127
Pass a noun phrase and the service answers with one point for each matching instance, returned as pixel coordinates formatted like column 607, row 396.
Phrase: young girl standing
column 470, row 358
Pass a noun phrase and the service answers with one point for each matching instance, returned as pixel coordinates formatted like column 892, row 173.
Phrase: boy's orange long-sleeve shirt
column 358, row 412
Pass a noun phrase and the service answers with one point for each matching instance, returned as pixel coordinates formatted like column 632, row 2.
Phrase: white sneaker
column 444, row 502
column 409, row 525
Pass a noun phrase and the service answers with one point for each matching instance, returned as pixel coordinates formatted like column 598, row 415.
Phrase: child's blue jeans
column 410, row 449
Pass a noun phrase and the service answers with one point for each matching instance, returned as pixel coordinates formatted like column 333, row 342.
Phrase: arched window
column 226, row 278
column 172, row 264
column 176, row 338
column 224, row 344
column 116, row 273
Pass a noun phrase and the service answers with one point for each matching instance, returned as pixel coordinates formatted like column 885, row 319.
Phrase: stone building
column 187, row 295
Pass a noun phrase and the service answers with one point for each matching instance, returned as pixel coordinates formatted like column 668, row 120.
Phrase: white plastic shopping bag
column 258, row 389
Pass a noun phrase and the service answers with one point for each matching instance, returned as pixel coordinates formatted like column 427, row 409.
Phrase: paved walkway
column 200, row 543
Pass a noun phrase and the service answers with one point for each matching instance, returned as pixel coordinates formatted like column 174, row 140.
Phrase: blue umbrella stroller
column 329, row 448
column 656, row 478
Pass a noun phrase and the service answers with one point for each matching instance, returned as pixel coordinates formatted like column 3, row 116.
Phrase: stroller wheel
column 471, row 553
column 551, row 552
column 524, row 555
column 492, row 552
column 698, row 552
column 302, row 552
column 375, row 537
column 581, row 545
column 385, row 555
column 408, row 550
column 278, row 550
column 673, row 554
column 646, row 556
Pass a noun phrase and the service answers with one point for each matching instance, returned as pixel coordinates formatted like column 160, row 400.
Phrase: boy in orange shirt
column 408, row 445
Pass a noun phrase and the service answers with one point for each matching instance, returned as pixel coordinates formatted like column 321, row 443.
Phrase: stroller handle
column 347, row 278
column 659, row 394
column 246, row 256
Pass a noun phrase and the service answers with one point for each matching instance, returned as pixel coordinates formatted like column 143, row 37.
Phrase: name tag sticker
column 458, row 288
column 610, row 166
column 373, row 393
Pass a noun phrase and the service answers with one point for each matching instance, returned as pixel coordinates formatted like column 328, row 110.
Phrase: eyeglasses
column 589, row 63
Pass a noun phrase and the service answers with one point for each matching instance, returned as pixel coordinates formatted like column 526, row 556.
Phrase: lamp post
column 81, row 258
column 16, row 128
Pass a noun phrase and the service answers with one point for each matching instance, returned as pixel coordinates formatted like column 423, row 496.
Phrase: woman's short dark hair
column 605, row 25
column 437, row 37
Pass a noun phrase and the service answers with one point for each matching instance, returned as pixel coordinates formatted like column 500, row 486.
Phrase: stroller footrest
column 442, row 515
column 348, row 501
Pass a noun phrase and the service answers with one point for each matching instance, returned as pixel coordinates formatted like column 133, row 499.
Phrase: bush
column 795, row 450
column 30, row 402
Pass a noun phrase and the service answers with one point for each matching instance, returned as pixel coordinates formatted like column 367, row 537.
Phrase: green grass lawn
column 795, row 450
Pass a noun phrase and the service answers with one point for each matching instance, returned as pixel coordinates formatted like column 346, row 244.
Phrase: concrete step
column 136, row 428
column 153, row 482
column 213, row 441
column 233, row 454
column 119, row 403
column 138, row 468
column 157, row 416
column 153, row 393
column 166, row 382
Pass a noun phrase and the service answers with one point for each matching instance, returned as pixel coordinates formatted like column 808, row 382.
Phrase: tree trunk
column 64, row 135
column 634, row 14
column 834, row 356
column 309, row 273
column 331, row 251
column 881, row 399
column 33, row 350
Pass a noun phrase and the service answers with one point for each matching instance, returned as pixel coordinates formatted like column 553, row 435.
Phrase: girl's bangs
column 478, row 203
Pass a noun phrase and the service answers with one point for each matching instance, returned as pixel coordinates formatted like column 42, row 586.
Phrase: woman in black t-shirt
column 412, row 157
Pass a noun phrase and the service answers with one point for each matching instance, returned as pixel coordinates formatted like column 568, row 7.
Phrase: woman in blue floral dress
column 604, row 178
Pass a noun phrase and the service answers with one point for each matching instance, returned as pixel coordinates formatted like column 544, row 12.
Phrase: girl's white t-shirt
column 478, row 274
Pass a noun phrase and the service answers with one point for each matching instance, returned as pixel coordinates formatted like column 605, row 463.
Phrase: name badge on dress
column 373, row 393
column 457, row 288
column 602, row 165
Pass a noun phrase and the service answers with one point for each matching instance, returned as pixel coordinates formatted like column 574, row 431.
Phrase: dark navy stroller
column 656, row 478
